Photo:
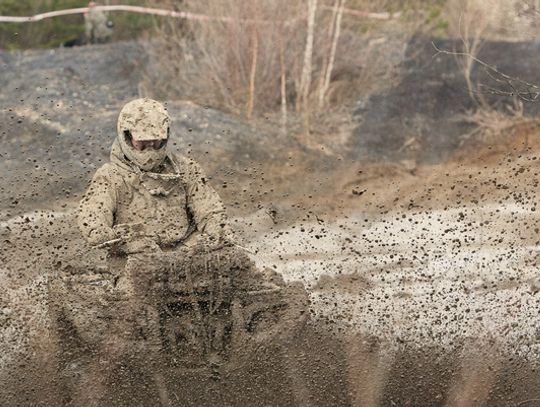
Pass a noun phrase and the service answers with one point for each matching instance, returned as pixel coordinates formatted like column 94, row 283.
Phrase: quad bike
column 183, row 316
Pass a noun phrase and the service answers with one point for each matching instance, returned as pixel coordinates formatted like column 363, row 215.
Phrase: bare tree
column 253, row 71
column 305, row 80
column 474, row 22
column 326, row 73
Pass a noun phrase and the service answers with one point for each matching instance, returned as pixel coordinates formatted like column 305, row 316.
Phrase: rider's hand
column 209, row 243
column 141, row 245
column 100, row 236
column 135, row 239
column 129, row 231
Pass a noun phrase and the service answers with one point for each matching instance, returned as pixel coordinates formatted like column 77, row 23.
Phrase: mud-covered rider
column 148, row 198
column 147, row 204
column 167, row 234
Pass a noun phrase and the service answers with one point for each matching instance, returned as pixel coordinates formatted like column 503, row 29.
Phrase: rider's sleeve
column 96, row 209
column 205, row 204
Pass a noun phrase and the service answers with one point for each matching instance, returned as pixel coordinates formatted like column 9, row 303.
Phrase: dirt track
column 426, row 278
column 443, row 263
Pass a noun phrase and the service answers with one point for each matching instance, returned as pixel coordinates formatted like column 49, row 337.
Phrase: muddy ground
column 423, row 278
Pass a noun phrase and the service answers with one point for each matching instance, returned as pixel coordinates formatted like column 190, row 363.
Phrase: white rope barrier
column 366, row 14
column 133, row 9
column 167, row 13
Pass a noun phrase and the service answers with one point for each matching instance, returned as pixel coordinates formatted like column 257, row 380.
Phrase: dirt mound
column 58, row 117
column 67, row 78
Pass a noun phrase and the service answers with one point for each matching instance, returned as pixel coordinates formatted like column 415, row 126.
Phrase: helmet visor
column 142, row 145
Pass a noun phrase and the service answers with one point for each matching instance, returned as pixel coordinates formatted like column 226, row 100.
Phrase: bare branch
column 518, row 87
column 330, row 67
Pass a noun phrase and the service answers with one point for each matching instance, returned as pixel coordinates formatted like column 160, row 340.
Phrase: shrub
column 255, row 66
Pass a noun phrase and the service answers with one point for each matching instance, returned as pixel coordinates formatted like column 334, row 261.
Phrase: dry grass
column 233, row 66
column 496, row 126
column 280, row 59
column 296, row 62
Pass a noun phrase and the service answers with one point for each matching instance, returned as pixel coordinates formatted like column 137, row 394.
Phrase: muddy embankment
column 423, row 278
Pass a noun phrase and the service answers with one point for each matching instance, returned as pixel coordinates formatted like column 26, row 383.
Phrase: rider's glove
column 134, row 239
column 100, row 236
column 141, row 245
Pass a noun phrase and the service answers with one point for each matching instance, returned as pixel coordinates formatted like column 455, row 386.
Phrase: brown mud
column 423, row 278
column 469, row 340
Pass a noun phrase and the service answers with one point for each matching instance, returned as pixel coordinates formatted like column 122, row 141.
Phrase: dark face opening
column 141, row 145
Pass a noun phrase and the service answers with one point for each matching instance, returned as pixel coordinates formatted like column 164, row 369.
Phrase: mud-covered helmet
column 143, row 120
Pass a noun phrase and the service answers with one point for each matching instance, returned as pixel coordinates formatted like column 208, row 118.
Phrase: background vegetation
column 291, row 61
column 53, row 32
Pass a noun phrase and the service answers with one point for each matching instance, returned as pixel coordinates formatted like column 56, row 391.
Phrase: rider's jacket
column 167, row 205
